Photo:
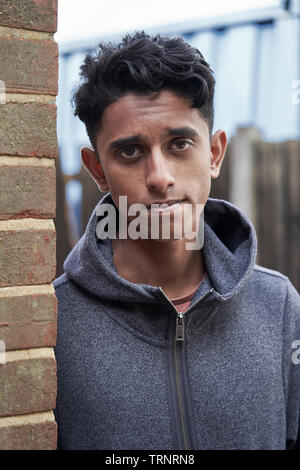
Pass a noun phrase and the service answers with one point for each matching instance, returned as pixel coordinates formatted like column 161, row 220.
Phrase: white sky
column 86, row 19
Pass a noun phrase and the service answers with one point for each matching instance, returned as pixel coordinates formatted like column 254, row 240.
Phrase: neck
column 166, row 264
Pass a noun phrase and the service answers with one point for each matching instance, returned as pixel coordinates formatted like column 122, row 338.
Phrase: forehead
column 148, row 115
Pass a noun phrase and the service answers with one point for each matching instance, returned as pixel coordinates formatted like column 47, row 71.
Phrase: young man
column 162, row 345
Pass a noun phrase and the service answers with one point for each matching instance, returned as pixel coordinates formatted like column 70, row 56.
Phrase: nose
column 159, row 176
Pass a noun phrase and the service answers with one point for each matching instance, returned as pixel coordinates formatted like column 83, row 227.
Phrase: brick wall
column 28, row 148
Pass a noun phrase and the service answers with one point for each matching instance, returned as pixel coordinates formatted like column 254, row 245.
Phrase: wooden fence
column 263, row 179
column 259, row 177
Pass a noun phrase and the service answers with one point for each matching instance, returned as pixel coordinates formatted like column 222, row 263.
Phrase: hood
column 229, row 253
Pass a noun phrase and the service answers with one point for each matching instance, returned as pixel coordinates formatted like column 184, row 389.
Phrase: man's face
column 154, row 149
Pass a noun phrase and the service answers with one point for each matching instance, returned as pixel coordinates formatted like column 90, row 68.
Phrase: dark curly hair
column 142, row 64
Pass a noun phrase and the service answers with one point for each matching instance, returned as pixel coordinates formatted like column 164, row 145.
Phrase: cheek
column 115, row 177
column 123, row 183
column 199, row 191
column 199, row 181
column 198, row 168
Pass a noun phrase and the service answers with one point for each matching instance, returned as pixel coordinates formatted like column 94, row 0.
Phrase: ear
column 217, row 152
column 92, row 164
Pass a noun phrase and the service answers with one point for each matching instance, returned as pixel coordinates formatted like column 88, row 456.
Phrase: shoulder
column 272, row 288
column 276, row 279
column 276, row 286
column 269, row 278
column 69, row 293
column 64, row 287
column 270, row 274
column 60, row 281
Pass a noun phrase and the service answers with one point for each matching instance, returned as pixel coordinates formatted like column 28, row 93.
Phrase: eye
column 180, row 145
column 131, row 152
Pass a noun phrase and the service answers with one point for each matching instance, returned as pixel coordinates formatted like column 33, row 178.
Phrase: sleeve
column 291, row 366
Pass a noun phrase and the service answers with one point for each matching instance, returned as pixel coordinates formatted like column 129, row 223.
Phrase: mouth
column 165, row 206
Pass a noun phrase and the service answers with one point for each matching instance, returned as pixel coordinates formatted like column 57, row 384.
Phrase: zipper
column 180, row 372
column 181, row 404
column 179, row 331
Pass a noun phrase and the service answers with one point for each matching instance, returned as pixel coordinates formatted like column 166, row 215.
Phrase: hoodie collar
column 229, row 253
column 230, row 247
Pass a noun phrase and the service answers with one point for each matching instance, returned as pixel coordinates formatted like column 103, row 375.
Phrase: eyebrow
column 182, row 131
column 133, row 139
column 123, row 141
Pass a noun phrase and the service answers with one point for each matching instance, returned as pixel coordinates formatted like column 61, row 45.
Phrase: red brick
column 24, row 335
column 27, row 386
column 39, row 307
column 40, row 15
column 19, row 56
column 27, row 257
column 27, row 191
column 28, row 319
column 37, row 436
column 28, row 129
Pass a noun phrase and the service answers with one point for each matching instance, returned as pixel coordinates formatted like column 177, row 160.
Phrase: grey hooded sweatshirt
column 130, row 377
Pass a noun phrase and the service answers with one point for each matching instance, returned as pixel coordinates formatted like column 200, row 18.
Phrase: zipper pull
column 179, row 327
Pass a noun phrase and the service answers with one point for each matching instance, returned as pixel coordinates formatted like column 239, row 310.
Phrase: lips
column 171, row 205
column 170, row 202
